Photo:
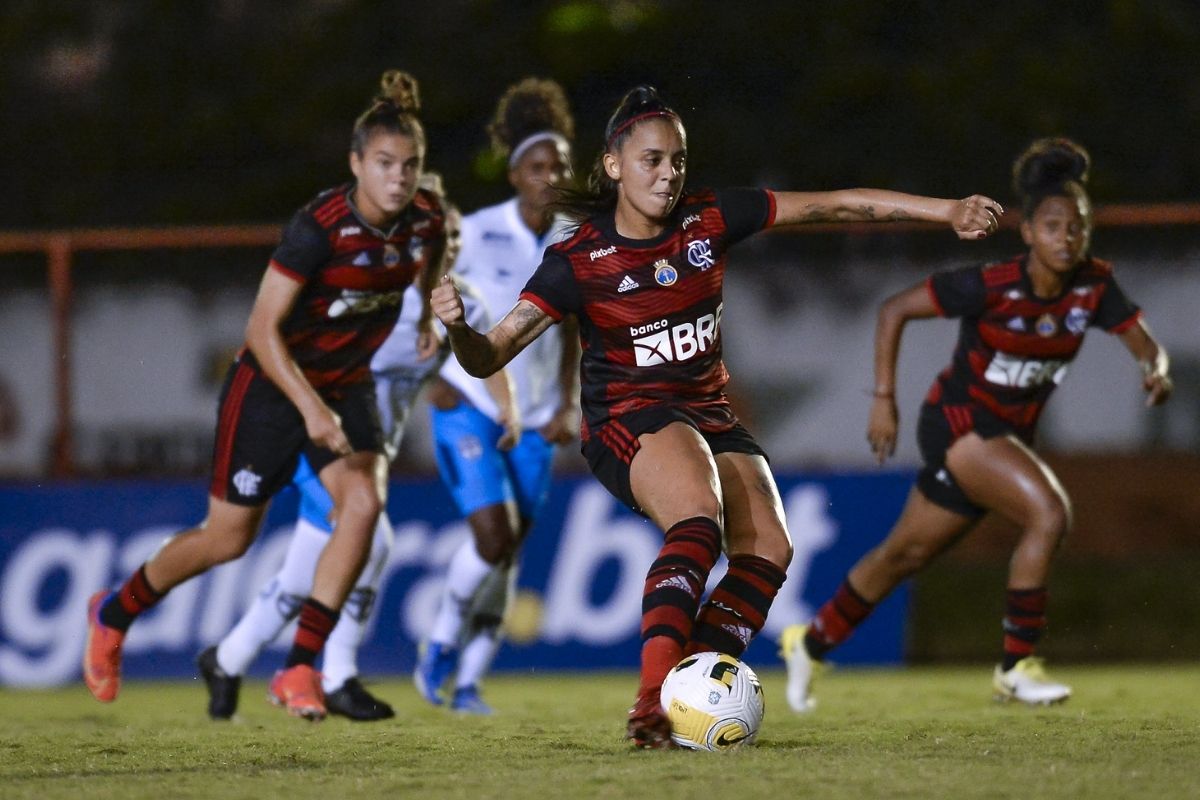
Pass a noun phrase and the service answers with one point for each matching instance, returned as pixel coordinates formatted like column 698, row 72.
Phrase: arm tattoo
column 861, row 213
column 526, row 317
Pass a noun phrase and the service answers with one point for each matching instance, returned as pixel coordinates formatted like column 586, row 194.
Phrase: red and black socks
column 672, row 593
column 1024, row 622
column 316, row 623
column 134, row 597
column 737, row 609
column 836, row 620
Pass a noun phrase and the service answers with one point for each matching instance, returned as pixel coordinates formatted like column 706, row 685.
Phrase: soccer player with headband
column 495, row 459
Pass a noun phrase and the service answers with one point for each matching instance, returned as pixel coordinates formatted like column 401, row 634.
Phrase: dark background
column 148, row 112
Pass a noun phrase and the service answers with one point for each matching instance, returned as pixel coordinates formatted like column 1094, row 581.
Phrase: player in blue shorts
column 496, row 460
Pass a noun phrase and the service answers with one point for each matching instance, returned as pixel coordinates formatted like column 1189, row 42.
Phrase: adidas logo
column 675, row 582
column 742, row 632
column 626, row 284
column 1016, row 324
column 362, row 259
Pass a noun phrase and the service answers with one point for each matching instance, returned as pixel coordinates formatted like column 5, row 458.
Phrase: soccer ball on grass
column 714, row 702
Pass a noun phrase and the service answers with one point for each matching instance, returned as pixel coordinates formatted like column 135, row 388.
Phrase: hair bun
column 400, row 89
column 1048, row 163
column 644, row 98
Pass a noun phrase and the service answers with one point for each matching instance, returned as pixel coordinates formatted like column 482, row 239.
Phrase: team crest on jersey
column 664, row 273
column 1046, row 325
column 700, row 254
column 391, row 256
column 1077, row 320
column 246, row 482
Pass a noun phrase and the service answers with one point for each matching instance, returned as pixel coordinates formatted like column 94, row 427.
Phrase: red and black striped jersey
column 1013, row 346
column 650, row 310
column 353, row 277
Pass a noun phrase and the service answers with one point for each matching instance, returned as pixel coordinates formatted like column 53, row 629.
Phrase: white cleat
column 801, row 669
column 1027, row 682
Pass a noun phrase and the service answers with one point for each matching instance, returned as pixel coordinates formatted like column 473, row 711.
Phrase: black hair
column 394, row 109
column 599, row 196
column 530, row 106
column 1051, row 167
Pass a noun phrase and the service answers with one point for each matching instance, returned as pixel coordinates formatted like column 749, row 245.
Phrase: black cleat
column 353, row 701
column 222, row 688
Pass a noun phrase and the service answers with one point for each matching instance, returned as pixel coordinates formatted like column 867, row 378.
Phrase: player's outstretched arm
column 972, row 217
column 1156, row 366
column 482, row 354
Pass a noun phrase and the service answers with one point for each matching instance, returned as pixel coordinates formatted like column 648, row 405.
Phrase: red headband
column 624, row 126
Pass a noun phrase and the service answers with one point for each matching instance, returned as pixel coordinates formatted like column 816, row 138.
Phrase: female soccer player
column 399, row 374
column 643, row 274
column 1023, row 321
column 499, row 474
column 302, row 385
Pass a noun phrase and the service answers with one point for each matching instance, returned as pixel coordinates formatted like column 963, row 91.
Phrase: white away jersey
column 499, row 254
column 399, row 374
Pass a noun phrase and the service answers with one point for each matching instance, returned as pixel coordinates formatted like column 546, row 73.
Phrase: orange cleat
column 102, row 653
column 298, row 689
column 649, row 726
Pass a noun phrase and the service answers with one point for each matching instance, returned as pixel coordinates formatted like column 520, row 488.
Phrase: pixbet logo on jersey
column 659, row 342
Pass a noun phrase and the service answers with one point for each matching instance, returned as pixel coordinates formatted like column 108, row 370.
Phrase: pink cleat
column 102, row 653
column 298, row 689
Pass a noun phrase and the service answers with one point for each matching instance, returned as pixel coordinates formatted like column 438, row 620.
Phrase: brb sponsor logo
column 659, row 342
column 1006, row 369
column 356, row 301
column 603, row 251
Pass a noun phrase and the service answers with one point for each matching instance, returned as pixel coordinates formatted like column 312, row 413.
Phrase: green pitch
column 919, row 733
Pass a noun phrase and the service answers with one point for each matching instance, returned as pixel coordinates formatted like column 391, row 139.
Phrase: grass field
column 1130, row 731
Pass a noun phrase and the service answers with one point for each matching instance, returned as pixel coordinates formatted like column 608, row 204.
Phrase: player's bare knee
column 229, row 547
column 1050, row 521
column 360, row 503
column 908, row 558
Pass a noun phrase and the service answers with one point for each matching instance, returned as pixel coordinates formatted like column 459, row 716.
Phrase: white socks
column 279, row 602
column 481, row 639
column 340, row 662
column 466, row 572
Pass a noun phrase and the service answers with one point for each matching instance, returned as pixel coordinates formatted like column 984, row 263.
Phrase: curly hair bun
column 1049, row 163
column 400, row 89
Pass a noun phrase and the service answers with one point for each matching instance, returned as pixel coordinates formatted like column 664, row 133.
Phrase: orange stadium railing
column 60, row 246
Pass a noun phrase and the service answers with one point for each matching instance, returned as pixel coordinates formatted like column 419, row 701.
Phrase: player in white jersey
column 399, row 375
column 496, row 461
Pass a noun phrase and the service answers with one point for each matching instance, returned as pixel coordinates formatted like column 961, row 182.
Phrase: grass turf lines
column 1129, row 731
